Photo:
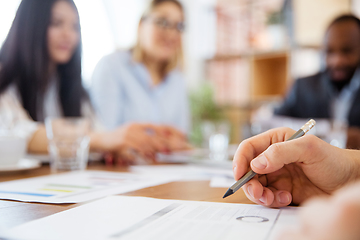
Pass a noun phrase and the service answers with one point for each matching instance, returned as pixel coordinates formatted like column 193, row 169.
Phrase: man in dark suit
column 335, row 92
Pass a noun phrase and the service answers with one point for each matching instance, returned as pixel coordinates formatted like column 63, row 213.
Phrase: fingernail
column 283, row 198
column 250, row 191
column 260, row 162
column 263, row 198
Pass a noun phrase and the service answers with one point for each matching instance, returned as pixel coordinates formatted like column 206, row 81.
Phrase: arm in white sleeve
column 13, row 116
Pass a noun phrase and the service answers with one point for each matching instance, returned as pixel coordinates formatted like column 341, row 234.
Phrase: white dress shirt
column 343, row 100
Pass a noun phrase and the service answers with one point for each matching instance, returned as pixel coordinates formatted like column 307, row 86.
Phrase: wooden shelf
column 249, row 54
column 269, row 75
column 241, row 79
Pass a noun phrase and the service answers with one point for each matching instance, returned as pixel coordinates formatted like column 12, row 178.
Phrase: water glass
column 338, row 134
column 216, row 136
column 68, row 143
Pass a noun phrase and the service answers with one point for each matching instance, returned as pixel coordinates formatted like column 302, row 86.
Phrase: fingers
column 252, row 147
column 146, row 140
column 277, row 155
column 131, row 151
column 254, row 190
column 141, row 137
column 159, row 144
column 175, row 139
column 141, row 144
column 266, row 196
column 258, row 194
column 130, row 156
column 177, row 144
column 172, row 132
column 164, row 138
column 281, row 198
column 165, row 131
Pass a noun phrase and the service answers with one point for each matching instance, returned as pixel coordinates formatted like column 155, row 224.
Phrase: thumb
column 279, row 154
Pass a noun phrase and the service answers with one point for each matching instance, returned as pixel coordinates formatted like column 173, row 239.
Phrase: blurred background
column 239, row 54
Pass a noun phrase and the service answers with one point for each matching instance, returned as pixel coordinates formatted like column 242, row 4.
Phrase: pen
column 248, row 176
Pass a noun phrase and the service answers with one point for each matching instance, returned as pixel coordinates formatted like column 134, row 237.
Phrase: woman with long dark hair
column 40, row 76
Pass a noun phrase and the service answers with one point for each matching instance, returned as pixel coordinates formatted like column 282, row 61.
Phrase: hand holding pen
column 291, row 171
column 301, row 132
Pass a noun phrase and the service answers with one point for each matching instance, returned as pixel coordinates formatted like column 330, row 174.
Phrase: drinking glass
column 216, row 137
column 338, row 133
column 68, row 143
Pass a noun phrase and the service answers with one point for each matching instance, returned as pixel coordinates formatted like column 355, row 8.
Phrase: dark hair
column 24, row 60
column 345, row 18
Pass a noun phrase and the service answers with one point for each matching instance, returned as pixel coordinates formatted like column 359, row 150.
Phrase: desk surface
column 16, row 213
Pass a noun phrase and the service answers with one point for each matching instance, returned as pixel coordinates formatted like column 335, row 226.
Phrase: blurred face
column 160, row 32
column 63, row 32
column 342, row 48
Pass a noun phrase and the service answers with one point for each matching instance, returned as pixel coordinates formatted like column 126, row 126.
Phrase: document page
column 222, row 182
column 77, row 187
column 121, row 217
column 184, row 172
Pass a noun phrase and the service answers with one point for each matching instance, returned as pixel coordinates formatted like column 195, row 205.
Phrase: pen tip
column 228, row 193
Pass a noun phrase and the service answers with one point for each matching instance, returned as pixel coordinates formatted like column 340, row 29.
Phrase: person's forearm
column 354, row 157
column 38, row 143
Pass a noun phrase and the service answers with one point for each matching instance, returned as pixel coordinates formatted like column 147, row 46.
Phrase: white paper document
column 77, row 187
column 222, row 182
column 198, row 156
column 184, row 172
column 121, row 217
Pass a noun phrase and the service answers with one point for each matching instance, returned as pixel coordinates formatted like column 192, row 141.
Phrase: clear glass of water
column 337, row 136
column 68, row 143
column 216, row 136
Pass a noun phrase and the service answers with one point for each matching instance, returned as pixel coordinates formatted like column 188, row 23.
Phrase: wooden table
column 13, row 213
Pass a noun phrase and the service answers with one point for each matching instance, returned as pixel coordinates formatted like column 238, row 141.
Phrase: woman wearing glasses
column 145, row 84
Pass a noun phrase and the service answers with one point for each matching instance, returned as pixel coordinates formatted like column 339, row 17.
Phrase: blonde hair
column 138, row 52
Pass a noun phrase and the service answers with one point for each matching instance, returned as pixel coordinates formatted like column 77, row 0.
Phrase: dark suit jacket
column 311, row 97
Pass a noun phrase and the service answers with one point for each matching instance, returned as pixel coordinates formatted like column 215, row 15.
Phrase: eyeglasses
column 163, row 23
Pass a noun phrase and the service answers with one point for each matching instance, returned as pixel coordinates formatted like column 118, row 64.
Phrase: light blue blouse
column 122, row 92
